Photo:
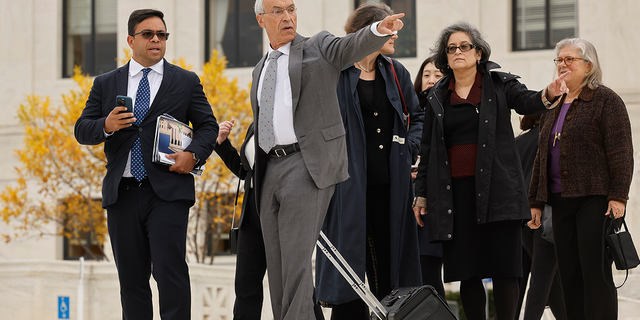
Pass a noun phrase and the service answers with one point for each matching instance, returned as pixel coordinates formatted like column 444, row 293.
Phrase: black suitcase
column 416, row 303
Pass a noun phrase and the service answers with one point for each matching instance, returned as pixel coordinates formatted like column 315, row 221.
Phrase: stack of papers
column 172, row 136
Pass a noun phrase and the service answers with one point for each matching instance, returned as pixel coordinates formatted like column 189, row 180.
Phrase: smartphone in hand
column 124, row 101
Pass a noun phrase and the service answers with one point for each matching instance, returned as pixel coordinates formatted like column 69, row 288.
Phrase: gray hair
column 439, row 52
column 258, row 7
column 587, row 52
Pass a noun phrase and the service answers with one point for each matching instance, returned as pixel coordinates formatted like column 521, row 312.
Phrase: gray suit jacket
column 314, row 69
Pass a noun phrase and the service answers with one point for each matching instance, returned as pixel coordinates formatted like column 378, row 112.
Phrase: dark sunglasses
column 463, row 48
column 148, row 34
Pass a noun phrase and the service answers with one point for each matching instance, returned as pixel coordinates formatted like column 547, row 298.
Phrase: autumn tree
column 210, row 217
column 59, row 182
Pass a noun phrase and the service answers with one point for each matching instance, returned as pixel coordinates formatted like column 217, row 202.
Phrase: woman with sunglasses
column 583, row 169
column 470, row 184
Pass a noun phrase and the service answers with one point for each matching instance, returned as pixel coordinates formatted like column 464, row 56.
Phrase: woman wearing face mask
column 470, row 183
column 369, row 218
column 583, row 169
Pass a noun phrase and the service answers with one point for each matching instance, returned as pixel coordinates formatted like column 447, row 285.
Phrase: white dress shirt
column 282, row 104
column 135, row 75
column 250, row 152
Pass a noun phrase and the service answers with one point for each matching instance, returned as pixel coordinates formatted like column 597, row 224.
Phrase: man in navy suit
column 147, row 203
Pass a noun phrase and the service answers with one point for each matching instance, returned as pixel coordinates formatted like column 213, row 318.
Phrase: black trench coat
column 346, row 218
column 500, row 189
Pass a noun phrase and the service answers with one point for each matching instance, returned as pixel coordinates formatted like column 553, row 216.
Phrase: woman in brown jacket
column 583, row 170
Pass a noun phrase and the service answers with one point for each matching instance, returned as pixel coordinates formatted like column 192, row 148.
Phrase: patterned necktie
column 143, row 96
column 267, row 97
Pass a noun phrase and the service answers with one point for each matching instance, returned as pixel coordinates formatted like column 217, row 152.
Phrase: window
column 89, row 36
column 540, row 24
column 220, row 212
column 406, row 43
column 86, row 245
column 79, row 234
column 232, row 29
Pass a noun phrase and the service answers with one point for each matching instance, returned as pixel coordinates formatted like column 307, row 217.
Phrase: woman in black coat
column 470, row 179
column 251, row 263
column 430, row 253
column 369, row 218
column 544, row 287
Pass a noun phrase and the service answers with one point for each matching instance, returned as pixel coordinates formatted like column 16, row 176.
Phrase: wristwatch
column 195, row 157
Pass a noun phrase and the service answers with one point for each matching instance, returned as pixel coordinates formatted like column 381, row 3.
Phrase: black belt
column 130, row 181
column 282, row 151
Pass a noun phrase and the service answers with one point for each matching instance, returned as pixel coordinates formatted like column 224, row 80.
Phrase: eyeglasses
column 567, row 61
column 148, row 34
column 278, row 12
column 463, row 48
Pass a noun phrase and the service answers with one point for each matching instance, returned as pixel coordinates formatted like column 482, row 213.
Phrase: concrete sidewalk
column 628, row 295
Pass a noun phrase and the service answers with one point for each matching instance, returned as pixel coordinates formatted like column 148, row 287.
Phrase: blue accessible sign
column 63, row 307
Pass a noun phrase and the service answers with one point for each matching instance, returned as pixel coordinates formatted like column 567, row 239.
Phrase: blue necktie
column 143, row 96
column 267, row 98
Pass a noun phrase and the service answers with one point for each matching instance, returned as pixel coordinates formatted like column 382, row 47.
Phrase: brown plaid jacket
column 596, row 151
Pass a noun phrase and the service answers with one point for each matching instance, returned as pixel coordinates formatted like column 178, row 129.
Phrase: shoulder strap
column 404, row 104
column 235, row 204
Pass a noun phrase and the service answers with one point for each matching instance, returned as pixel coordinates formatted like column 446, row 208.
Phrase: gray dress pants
column 292, row 210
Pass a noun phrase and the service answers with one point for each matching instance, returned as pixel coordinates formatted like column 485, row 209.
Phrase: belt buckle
column 284, row 153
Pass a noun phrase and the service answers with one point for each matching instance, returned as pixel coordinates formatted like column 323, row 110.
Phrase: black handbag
column 233, row 240
column 233, row 232
column 619, row 246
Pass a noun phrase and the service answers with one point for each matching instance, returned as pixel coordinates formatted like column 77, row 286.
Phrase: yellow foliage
column 127, row 57
column 215, row 190
column 182, row 63
column 67, row 176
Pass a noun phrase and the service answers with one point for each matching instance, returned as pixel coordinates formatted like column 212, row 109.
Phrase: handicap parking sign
column 63, row 307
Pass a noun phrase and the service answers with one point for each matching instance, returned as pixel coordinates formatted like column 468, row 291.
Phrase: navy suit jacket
column 181, row 96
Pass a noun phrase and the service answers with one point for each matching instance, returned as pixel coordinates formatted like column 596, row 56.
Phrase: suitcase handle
column 352, row 277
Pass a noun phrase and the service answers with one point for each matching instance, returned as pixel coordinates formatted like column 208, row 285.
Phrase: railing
column 31, row 290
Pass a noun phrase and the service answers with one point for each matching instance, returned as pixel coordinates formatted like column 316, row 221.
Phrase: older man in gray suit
column 300, row 143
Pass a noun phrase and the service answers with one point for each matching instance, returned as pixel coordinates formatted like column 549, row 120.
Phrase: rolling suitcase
column 415, row 303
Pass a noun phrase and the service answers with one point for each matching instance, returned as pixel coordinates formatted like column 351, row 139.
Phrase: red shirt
column 462, row 157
